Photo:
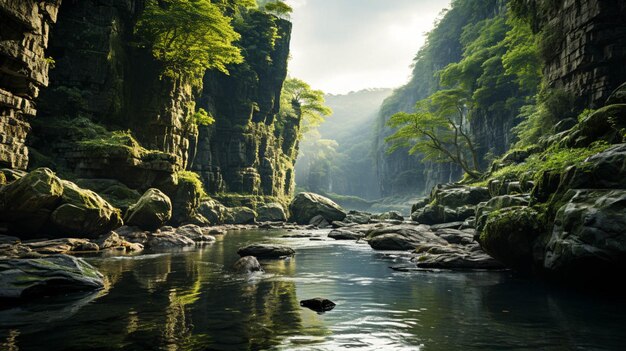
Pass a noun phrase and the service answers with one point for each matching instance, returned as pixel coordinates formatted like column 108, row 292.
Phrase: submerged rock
column 153, row 209
column 344, row 234
column 305, row 206
column 266, row 251
column 30, row 278
column 318, row 304
column 247, row 264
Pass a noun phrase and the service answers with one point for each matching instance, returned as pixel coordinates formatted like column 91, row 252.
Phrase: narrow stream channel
column 190, row 300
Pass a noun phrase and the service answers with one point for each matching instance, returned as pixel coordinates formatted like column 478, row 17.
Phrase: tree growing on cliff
column 278, row 8
column 438, row 130
column 189, row 36
column 298, row 99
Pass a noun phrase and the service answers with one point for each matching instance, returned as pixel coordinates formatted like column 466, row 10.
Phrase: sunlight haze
column 340, row 46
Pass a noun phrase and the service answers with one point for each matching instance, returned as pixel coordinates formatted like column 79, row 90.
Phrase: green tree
column 189, row 36
column 298, row 99
column 438, row 130
column 278, row 8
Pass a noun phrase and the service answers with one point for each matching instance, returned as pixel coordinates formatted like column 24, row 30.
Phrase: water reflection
column 190, row 300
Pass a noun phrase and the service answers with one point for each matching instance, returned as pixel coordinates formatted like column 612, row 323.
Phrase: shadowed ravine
column 191, row 301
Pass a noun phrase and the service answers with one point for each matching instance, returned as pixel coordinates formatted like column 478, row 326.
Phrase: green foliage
column 437, row 130
column 192, row 178
column 202, row 118
column 299, row 100
column 554, row 158
column 538, row 119
column 278, row 8
column 189, row 36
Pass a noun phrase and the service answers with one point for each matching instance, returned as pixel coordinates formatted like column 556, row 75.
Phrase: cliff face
column 101, row 76
column 585, row 47
column 24, row 29
column 249, row 150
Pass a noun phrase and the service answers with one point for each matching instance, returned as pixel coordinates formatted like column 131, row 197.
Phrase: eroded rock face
column 152, row 210
column 588, row 237
column 305, row 206
column 24, row 31
column 31, row 278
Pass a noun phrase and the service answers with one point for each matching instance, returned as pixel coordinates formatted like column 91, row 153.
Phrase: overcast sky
column 348, row 45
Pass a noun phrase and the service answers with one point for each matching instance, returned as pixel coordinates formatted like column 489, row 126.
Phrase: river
column 190, row 300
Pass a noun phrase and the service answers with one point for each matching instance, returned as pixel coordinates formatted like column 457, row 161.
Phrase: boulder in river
column 247, row 264
column 84, row 213
column 272, row 212
column 240, row 215
column 344, row 234
column 305, row 206
column 59, row 274
column 318, row 304
column 153, row 209
column 268, row 251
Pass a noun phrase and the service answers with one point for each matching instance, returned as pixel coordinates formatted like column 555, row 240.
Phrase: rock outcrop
column 24, row 29
column 151, row 212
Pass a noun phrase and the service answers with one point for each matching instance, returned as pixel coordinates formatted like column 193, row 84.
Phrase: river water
column 190, row 300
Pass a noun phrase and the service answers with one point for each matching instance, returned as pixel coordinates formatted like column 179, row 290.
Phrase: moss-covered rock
column 115, row 192
column 618, row 96
column 305, row 206
column 272, row 212
column 26, row 203
column 497, row 203
column 588, row 237
column 213, row 211
column 605, row 124
column 509, row 236
column 240, row 215
column 186, row 195
column 152, row 211
column 59, row 274
column 84, row 213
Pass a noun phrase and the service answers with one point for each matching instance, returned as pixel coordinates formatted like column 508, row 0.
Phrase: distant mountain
column 350, row 170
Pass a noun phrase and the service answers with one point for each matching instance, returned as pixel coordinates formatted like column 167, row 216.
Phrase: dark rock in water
column 247, row 264
column 459, row 260
column 240, row 215
column 509, row 236
column 454, row 236
column 167, row 239
column 450, row 203
column 391, row 215
column 153, row 209
column 30, row 278
column 357, row 217
column 402, row 237
column 194, row 233
column 266, row 251
column 343, row 234
column 305, row 206
column 318, row 304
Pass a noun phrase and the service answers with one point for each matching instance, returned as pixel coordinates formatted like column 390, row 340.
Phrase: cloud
column 344, row 45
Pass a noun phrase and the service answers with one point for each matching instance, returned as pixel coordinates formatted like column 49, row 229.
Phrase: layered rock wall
column 250, row 149
column 24, row 29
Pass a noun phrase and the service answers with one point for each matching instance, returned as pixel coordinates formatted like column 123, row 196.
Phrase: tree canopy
column 300, row 100
column 190, row 36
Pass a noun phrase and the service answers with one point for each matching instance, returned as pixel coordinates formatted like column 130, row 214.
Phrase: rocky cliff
column 584, row 49
column 24, row 31
column 249, row 150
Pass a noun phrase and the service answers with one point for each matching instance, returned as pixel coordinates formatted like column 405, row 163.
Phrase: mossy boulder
column 213, row 211
column 588, row 238
column 27, row 202
column 186, row 196
column 115, row 192
column 59, row 274
column 305, row 206
column 240, row 215
column 272, row 212
column 618, row 96
column 497, row 203
column 606, row 124
column 152, row 211
column 509, row 236
column 84, row 213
